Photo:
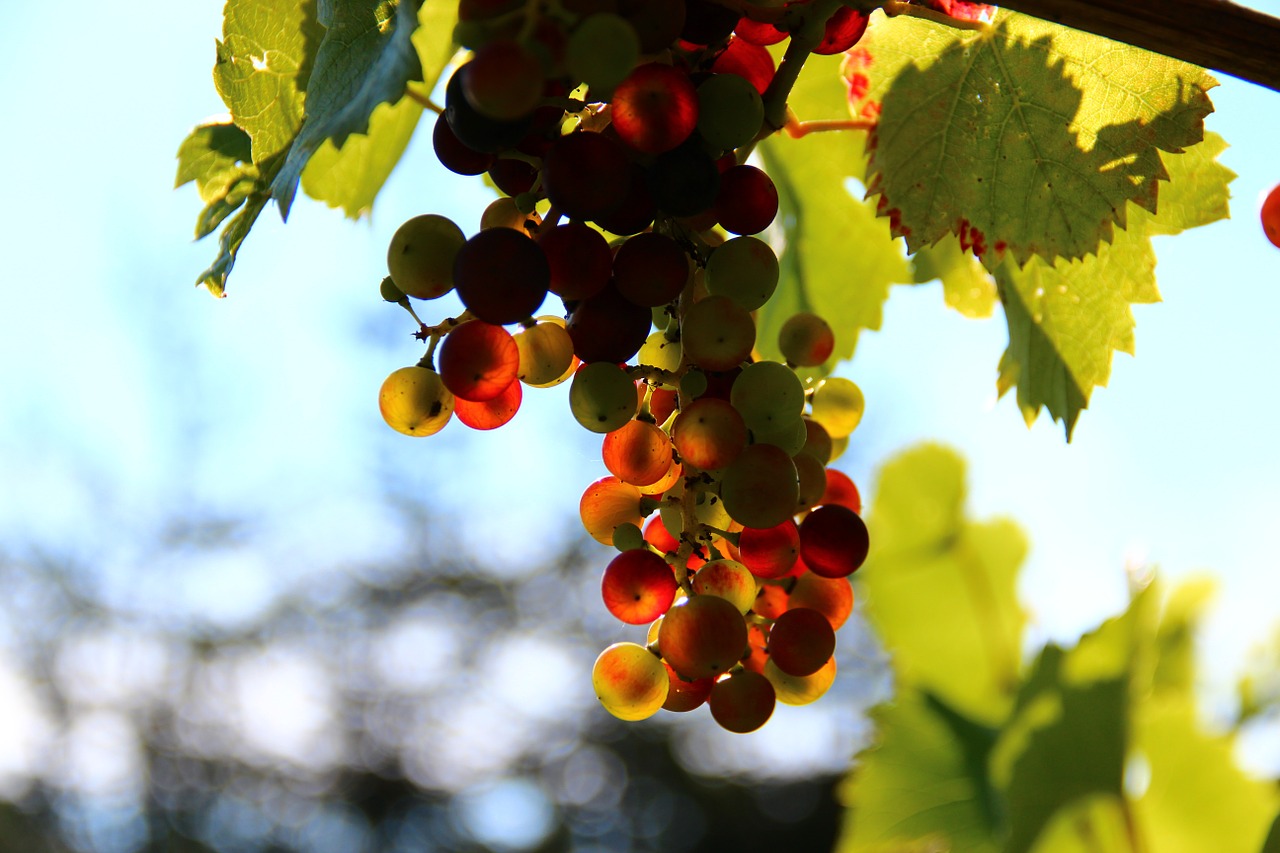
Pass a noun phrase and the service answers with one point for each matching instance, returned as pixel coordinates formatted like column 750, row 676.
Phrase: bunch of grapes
column 618, row 132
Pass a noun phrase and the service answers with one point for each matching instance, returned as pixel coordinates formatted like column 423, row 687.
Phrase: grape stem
column 797, row 129
column 653, row 375
column 893, row 8
column 804, row 39
column 423, row 100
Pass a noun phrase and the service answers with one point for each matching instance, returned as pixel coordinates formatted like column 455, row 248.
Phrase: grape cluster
column 617, row 131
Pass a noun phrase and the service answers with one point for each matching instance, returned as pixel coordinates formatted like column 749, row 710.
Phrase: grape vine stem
column 1215, row 34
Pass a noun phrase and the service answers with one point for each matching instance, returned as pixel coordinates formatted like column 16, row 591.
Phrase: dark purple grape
column 637, row 210
column 512, row 176
column 707, row 22
column 684, row 182
column 586, row 175
column 475, row 130
column 650, row 269
column 455, row 156
column 608, row 327
column 747, row 202
column 580, row 260
column 501, row 276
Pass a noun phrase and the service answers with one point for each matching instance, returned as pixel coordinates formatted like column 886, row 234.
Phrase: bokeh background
column 239, row 613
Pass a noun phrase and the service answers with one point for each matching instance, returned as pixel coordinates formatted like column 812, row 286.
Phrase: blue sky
column 130, row 399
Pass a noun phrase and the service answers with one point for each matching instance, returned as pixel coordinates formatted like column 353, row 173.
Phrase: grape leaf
column 838, row 260
column 217, row 155
column 262, row 65
column 923, row 785
column 966, row 285
column 940, row 589
column 1065, row 319
column 1023, row 139
column 366, row 58
column 350, row 177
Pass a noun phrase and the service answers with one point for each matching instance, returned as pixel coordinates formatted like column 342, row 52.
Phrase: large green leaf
column 217, row 156
column 923, row 785
column 838, row 260
column 262, row 66
column 1025, row 138
column 1198, row 798
column 940, row 590
column 1067, row 318
column 350, row 177
column 367, row 58
column 966, row 285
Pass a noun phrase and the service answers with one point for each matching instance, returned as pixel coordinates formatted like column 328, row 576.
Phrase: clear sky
column 129, row 399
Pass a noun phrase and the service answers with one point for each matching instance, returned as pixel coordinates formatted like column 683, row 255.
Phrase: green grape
column 693, row 384
column 420, row 257
column 717, row 333
column 391, row 293
column 800, row 689
column 767, row 394
column 745, row 269
column 730, row 111
column 837, row 405
column 729, row 580
column 601, row 52
column 661, row 352
column 602, row 397
column 414, row 401
column 788, row 436
column 761, row 488
column 628, row 537
column 546, row 353
column 630, row 681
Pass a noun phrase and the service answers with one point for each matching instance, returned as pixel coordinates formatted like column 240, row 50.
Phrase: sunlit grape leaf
column 367, row 57
column 940, row 589
column 1197, row 799
column 838, row 260
column 262, row 65
column 216, row 155
column 350, row 177
column 1024, row 139
column 923, row 785
column 966, row 285
column 1094, row 823
column 1175, row 651
column 1066, row 319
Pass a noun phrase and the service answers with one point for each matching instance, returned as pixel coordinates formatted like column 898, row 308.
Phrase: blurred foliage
column 1096, row 747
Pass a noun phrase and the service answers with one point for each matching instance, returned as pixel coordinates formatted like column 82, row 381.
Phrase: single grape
column 745, row 269
column 661, row 352
column 422, row 254
column 684, row 181
column 707, row 22
column 730, row 111
column 655, row 108
column 1270, row 215
column 602, row 397
column 709, row 434
column 511, row 176
column 601, row 51
column 801, row 641
column 702, row 637
column 638, row 587
column 638, row 453
column 491, row 413
column 415, row 401
column 813, row 480
column 729, row 580
column 746, row 60
column 771, row 601
column 628, row 537
column 455, row 156
column 788, row 436
column 546, row 353
column 607, row 503
column 608, row 327
column 761, row 487
column 743, row 702
column 506, row 213
column 504, row 80
column 843, row 30
column 586, row 175
column 717, row 333
column 759, row 32
column 685, row 695
column 630, row 682
column 833, row 541
column 832, row 597
column 806, row 340
column 579, row 259
column 662, row 404
column 767, row 395
column 817, row 441
column 801, row 689
column 661, row 486
column 841, row 490
column 838, row 405
column 650, row 269
column 478, row 360
column 747, row 201
column 390, row 293
column 473, row 129
column 770, row 552
column 637, row 209
column 501, row 276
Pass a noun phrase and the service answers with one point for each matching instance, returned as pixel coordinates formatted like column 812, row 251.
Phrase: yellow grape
column 546, row 353
column 420, row 257
column 800, row 689
column 414, row 401
column 630, row 681
column 837, row 405
column 729, row 580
